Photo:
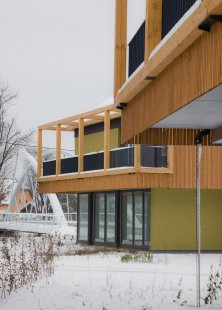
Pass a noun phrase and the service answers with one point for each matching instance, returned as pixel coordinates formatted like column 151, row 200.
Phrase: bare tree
column 11, row 140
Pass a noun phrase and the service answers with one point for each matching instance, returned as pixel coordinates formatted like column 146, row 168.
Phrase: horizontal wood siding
column 183, row 176
column 193, row 73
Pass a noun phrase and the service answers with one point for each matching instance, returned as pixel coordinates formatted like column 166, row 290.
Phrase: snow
column 101, row 281
column 132, row 76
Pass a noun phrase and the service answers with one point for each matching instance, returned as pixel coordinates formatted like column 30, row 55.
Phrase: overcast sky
column 58, row 55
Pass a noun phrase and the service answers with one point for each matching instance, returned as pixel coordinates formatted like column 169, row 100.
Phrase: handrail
column 32, row 218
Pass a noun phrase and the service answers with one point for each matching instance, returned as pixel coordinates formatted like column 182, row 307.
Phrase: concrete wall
column 173, row 219
column 95, row 142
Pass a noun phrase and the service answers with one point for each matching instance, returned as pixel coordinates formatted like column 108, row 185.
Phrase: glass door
column 99, row 222
column 105, row 217
column 135, row 218
column 83, row 218
column 138, row 218
column 110, row 217
column 127, row 218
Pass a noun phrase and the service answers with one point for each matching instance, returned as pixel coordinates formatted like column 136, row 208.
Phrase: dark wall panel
column 173, row 10
column 136, row 49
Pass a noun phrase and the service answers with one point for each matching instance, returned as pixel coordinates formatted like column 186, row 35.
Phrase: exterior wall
column 95, row 142
column 173, row 219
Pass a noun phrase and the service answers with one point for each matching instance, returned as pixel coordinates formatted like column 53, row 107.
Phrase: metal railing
column 71, row 217
column 31, row 218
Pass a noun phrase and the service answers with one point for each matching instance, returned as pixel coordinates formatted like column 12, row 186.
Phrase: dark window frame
column 144, row 245
column 105, row 219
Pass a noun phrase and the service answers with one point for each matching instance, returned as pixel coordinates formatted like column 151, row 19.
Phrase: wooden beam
column 107, row 140
column 99, row 117
column 137, row 156
column 120, row 45
column 39, row 169
column 58, row 149
column 110, row 107
column 81, row 145
column 153, row 32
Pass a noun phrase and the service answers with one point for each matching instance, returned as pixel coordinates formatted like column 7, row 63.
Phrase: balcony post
column 120, row 45
column 137, row 156
column 170, row 156
column 58, row 149
column 39, row 169
column 153, row 31
column 107, row 140
column 81, row 145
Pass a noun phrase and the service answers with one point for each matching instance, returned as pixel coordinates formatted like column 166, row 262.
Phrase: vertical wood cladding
column 183, row 176
column 169, row 136
column 193, row 73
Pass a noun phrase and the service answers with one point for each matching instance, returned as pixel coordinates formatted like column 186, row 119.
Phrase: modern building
column 134, row 167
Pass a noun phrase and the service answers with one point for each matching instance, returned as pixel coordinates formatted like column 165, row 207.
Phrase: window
column 135, row 218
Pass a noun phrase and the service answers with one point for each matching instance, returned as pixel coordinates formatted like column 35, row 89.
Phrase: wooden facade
column 170, row 136
column 183, row 175
column 191, row 75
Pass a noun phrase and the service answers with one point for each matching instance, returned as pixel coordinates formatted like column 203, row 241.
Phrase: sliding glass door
column 110, row 217
column 105, row 217
column 127, row 218
column 135, row 218
column 83, row 217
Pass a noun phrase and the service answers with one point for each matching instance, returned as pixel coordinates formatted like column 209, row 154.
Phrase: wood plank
column 39, row 169
column 107, row 140
column 153, row 31
column 137, row 156
column 81, row 145
column 58, row 149
column 120, row 44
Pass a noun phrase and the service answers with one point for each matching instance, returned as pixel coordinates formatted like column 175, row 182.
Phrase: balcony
column 109, row 169
column 130, row 159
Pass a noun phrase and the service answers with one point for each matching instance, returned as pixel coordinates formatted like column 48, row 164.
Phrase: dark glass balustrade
column 172, row 12
column 122, row 157
column 136, row 49
column 151, row 156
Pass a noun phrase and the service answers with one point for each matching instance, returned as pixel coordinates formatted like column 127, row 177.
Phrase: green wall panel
column 95, row 142
column 173, row 219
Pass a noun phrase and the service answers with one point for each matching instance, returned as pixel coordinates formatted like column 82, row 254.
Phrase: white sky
column 57, row 55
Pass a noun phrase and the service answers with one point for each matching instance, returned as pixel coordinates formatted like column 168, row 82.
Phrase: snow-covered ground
column 102, row 282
